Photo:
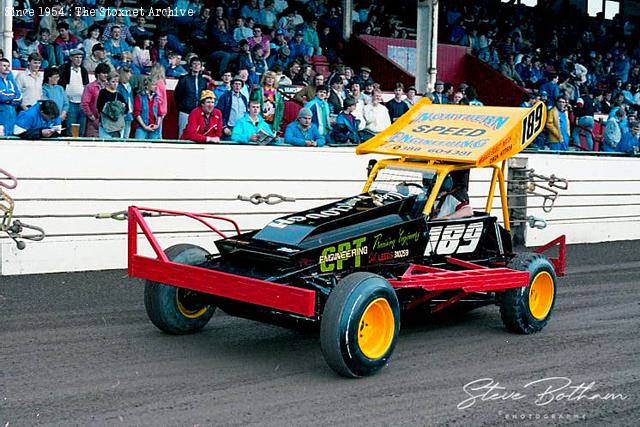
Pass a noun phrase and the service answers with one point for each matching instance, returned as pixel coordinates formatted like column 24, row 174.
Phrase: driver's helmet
column 429, row 180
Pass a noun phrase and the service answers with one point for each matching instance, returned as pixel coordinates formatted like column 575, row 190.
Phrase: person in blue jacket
column 319, row 108
column 252, row 128
column 303, row 132
column 630, row 142
column 10, row 96
column 345, row 130
column 41, row 120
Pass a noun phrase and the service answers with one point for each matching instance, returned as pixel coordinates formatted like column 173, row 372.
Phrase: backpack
column 112, row 117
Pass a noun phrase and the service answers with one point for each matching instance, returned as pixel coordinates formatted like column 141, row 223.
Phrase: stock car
column 350, row 268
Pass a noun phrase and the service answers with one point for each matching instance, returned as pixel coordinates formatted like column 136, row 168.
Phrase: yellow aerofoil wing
column 481, row 136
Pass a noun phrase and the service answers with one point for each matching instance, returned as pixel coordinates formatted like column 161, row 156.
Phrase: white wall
column 62, row 185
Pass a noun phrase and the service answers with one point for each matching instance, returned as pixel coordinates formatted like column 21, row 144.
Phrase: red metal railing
column 559, row 261
column 227, row 285
column 476, row 279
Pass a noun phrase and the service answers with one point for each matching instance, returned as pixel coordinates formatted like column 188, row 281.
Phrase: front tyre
column 527, row 310
column 360, row 325
column 177, row 310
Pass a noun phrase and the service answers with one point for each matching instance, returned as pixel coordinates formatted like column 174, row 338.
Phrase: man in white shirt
column 74, row 77
column 376, row 115
column 30, row 82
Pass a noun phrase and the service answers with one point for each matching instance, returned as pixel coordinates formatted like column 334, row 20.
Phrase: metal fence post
column 517, row 199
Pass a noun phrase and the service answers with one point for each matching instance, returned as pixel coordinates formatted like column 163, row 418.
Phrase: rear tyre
column 177, row 310
column 360, row 325
column 528, row 310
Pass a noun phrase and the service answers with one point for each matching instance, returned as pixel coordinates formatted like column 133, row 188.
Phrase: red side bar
column 239, row 288
column 476, row 279
column 558, row 262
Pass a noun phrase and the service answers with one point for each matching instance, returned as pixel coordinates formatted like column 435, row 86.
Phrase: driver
column 453, row 201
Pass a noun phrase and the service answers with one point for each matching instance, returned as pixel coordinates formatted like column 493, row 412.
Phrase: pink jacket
column 163, row 103
column 89, row 101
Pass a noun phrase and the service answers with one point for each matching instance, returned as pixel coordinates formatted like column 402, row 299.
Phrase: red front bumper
column 240, row 288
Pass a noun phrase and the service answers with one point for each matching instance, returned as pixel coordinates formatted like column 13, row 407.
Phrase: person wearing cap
column 319, row 108
column 233, row 105
column 73, row 79
column 438, row 96
column 396, row 106
column 303, row 132
column 544, row 97
column 205, row 121
column 583, row 113
column 98, row 56
column 251, row 128
column 345, row 130
column 30, row 82
column 363, row 77
column 10, row 96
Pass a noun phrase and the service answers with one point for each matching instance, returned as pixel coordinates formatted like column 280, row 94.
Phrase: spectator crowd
column 233, row 58
column 586, row 69
column 230, row 59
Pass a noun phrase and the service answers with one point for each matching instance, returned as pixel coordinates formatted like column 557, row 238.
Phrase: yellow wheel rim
column 376, row 329
column 185, row 308
column 541, row 295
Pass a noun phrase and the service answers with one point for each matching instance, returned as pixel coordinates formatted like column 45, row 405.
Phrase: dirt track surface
column 78, row 349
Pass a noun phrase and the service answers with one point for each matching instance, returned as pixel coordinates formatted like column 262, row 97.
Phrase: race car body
column 352, row 266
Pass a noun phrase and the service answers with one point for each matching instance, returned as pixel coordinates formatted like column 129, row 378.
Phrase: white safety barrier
column 64, row 184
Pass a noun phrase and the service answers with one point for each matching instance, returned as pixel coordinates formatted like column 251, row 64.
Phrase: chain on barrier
column 15, row 230
column 269, row 199
column 548, row 193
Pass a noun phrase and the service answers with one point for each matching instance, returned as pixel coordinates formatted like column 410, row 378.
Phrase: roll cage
column 441, row 171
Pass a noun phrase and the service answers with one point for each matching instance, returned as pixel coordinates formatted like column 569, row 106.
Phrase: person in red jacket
column 205, row 122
